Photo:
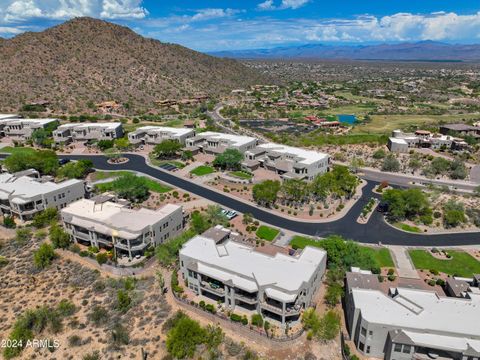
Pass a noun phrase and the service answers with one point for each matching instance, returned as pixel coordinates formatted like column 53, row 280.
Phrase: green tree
column 59, row 238
column 458, row 170
column 41, row 137
column 44, row 161
column 122, row 144
column 44, row 256
column 124, row 300
column 131, row 187
column 75, row 170
column 406, row 204
column 167, row 149
column 105, row 144
column 266, row 192
column 329, row 326
column 199, row 222
column 187, row 155
column 390, row 163
column 295, row 190
column 184, row 337
column 45, row 217
column 333, row 294
column 230, row 159
column 453, row 214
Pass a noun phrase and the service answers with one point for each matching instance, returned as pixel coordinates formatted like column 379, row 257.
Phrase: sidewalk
column 403, row 263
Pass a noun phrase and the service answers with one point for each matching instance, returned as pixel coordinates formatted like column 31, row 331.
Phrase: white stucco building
column 156, row 134
column 216, row 143
column 21, row 129
column 278, row 286
column 88, row 131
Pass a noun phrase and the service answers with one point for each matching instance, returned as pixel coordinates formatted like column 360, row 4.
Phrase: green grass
column 382, row 256
column 406, row 227
column 12, row 150
column 202, row 170
column 152, row 185
column 461, row 263
column 267, row 233
column 242, row 175
column 158, row 162
column 384, row 124
column 102, row 175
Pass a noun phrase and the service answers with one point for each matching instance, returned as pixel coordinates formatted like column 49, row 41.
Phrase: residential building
column 157, row 134
column 24, row 196
column 460, row 130
column 290, row 162
column 22, row 129
column 403, row 142
column 408, row 323
column 277, row 286
column 107, row 224
column 216, row 143
column 9, row 116
column 88, row 131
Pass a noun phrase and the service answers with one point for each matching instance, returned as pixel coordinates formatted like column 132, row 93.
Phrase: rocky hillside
column 85, row 61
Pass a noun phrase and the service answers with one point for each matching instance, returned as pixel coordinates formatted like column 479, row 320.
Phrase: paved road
column 375, row 231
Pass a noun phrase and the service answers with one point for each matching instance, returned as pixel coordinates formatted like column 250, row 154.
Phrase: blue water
column 349, row 119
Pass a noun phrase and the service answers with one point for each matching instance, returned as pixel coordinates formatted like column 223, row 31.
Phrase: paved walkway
column 475, row 174
column 403, row 263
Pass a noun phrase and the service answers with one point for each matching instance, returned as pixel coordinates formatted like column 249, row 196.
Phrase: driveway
column 403, row 263
column 475, row 174
column 374, row 232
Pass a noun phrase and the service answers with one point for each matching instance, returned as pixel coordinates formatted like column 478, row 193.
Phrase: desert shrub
column 124, row 300
column 45, row 217
column 257, row 320
column 235, row 317
column 120, row 336
column 44, row 256
column 66, row 308
column 22, row 236
column 102, row 258
column 9, row 222
column 98, row 315
column 74, row 340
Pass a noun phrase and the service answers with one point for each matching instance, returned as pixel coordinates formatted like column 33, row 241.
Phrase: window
column 363, row 331
column 406, row 349
column 361, row 346
column 368, row 349
column 398, row 348
column 370, row 332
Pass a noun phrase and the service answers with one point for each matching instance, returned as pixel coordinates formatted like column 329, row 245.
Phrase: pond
column 347, row 118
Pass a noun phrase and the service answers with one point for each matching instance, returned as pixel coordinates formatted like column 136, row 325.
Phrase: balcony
column 213, row 288
column 290, row 309
column 81, row 235
column 246, row 299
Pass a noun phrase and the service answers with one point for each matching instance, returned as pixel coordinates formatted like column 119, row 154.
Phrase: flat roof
column 420, row 309
column 443, row 342
column 29, row 121
column 19, row 189
column 236, row 140
column 172, row 130
column 304, row 156
column 398, row 141
column 108, row 216
column 107, row 125
column 249, row 269
column 8, row 116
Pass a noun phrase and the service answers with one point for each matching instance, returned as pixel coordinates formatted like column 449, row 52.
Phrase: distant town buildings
column 402, row 142
column 21, row 129
column 290, row 162
column 216, row 143
column 409, row 323
column 24, row 194
column 461, row 130
column 104, row 223
column 88, row 131
column 277, row 286
column 157, row 134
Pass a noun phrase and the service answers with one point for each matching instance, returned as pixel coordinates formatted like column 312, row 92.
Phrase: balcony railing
column 247, row 299
column 289, row 310
column 212, row 288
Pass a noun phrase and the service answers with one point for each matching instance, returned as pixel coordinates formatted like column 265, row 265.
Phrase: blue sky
column 242, row 24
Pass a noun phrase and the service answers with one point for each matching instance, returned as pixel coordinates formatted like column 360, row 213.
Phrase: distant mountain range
column 85, row 61
column 420, row 51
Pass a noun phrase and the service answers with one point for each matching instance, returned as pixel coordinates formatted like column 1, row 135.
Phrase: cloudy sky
column 242, row 24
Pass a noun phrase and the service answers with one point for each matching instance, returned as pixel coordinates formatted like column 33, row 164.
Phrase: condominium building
column 25, row 196
column 277, row 286
column 157, row 134
column 22, row 129
column 402, row 142
column 290, row 162
column 216, row 143
column 408, row 323
column 88, row 131
column 104, row 223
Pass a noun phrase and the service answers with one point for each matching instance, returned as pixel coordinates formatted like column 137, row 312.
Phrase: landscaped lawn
column 202, row 170
column 151, row 184
column 461, row 263
column 11, row 150
column 102, row 175
column 267, row 233
column 406, row 227
column 382, row 255
column 242, row 175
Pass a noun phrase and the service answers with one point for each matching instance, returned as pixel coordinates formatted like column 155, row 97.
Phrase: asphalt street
column 375, row 231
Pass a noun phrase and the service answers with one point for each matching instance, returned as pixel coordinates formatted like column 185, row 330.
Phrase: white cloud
column 23, row 10
column 209, row 14
column 285, row 4
column 6, row 30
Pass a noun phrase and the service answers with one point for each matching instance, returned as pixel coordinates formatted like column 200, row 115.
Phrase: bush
column 257, row 320
column 98, row 315
column 124, row 300
column 391, row 277
column 44, row 256
column 102, row 258
column 45, row 217
column 9, row 222
column 431, row 282
column 74, row 340
column 22, row 236
column 59, row 238
column 210, row 308
column 440, row 282
column 120, row 336
column 66, row 308
column 235, row 317
column 391, row 272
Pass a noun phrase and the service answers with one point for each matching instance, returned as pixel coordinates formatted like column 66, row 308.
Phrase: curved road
column 375, row 231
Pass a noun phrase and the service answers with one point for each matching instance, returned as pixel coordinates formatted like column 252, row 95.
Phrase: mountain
column 423, row 51
column 85, row 61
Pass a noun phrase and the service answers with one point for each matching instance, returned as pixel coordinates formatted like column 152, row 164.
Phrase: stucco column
column 283, row 313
